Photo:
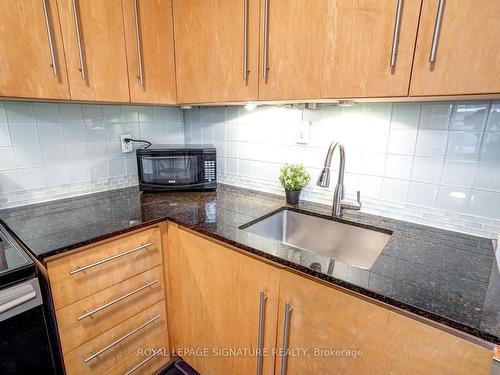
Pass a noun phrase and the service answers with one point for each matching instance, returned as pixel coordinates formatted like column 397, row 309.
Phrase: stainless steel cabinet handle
column 395, row 36
column 437, row 29
column 53, row 63
column 110, row 303
column 245, row 40
column 265, row 62
column 106, row 348
column 260, row 340
column 105, row 260
column 140, row 75
column 286, row 334
column 83, row 68
column 136, row 367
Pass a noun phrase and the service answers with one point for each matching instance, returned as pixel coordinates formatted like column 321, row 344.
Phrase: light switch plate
column 303, row 132
column 126, row 146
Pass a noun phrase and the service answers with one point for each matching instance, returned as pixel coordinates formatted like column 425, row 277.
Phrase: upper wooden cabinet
column 293, row 36
column 215, row 42
column 466, row 58
column 94, row 44
column 149, row 38
column 32, row 61
column 369, row 46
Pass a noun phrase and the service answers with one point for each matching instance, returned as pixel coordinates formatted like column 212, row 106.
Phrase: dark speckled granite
column 448, row 277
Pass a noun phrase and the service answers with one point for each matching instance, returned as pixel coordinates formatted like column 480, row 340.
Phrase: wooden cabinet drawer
column 95, row 268
column 146, row 360
column 111, row 306
column 118, row 343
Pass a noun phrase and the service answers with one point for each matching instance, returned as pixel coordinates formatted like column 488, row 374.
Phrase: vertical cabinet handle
column 265, row 64
column 395, row 35
column 245, row 40
column 260, row 341
column 286, row 335
column 50, row 37
column 437, row 29
column 140, row 75
column 83, row 69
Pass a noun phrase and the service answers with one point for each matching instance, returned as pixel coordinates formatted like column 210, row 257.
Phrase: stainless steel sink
column 351, row 244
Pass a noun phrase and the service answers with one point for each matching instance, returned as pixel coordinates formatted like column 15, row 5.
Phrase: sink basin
column 348, row 243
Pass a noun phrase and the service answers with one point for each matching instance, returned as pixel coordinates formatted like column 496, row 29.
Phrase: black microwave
column 177, row 168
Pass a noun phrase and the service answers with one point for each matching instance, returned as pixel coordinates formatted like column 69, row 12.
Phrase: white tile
column 147, row 131
column 112, row 113
column 129, row 113
column 9, row 181
column 371, row 164
column 145, row 114
column 4, row 134
column 405, row 116
column 463, row 145
column 96, row 150
column 231, row 165
column 50, row 133
column 244, row 167
column 53, row 154
column 453, row 199
column 394, row 190
column 435, row 116
column 402, row 141
column 95, row 132
column 207, row 133
column 113, row 131
column 23, row 134
column 458, row 173
column 28, row 156
column 494, row 117
column 70, row 112
column 398, row 166
column 426, row 169
column 47, row 112
column 7, row 160
column 220, row 129
column 3, row 115
column 99, row 169
column 485, row 204
column 488, row 176
column 469, row 116
column 131, row 166
column 116, row 167
column 431, row 143
column 19, row 112
column 56, row 175
column 76, row 152
column 31, row 178
column 131, row 128
column 491, row 147
column 230, row 114
column 113, row 150
column 79, row 172
column 370, row 186
column 422, row 194
column 74, row 133
column 167, row 114
column 92, row 113
column 175, row 133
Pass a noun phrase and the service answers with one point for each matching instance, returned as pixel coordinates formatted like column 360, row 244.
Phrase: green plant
column 294, row 176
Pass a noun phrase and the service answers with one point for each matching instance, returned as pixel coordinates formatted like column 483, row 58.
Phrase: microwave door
column 170, row 170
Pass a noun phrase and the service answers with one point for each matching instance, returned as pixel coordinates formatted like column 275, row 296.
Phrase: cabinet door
column 149, row 38
column 359, row 47
column 215, row 305
column 211, row 51
column 31, row 51
column 292, row 46
column 332, row 332
column 467, row 54
column 95, row 49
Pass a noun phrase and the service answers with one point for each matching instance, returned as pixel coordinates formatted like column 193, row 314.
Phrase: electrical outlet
column 126, row 146
column 303, row 132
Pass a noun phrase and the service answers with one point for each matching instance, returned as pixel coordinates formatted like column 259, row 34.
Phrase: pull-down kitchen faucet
column 339, row 202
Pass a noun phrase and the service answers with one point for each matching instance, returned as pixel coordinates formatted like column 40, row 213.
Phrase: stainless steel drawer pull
column 136, row 367
column 106, row 348
column 395, row 36
column 140, row 76
column 265, row 62
column 83, row 68
column 437, row 30
column 286, row 335
column 105, row 260
column 53, row 63
column 245, row 40
column 260, row 340
column 125, row 296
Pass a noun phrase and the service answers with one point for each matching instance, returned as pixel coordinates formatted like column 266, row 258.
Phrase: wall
column 434, row 163
column 49, row 151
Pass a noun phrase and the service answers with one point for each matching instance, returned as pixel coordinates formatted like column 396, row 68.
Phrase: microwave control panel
column 210, row 170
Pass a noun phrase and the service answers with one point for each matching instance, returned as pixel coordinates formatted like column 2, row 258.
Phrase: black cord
column 138, row 140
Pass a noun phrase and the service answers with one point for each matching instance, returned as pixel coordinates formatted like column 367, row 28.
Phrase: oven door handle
column 12, row 299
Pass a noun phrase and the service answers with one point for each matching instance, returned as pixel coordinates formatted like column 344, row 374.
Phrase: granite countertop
column 451, row 278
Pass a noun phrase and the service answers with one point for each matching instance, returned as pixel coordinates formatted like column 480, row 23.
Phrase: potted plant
column 293, row 177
